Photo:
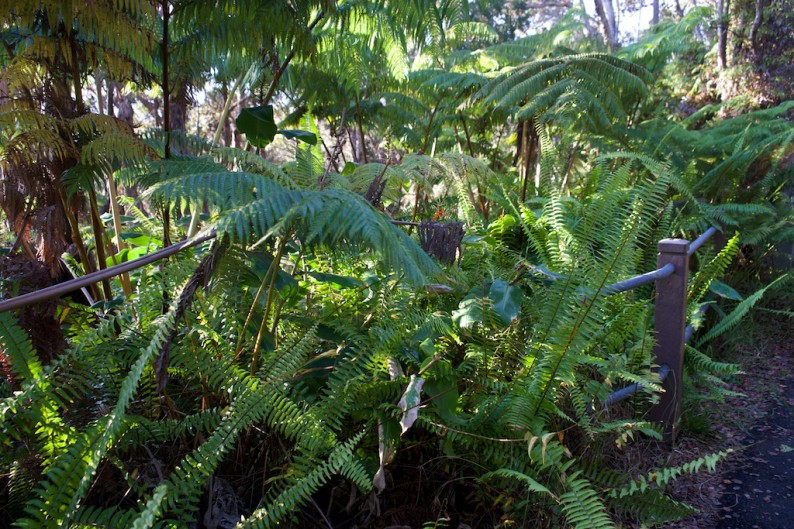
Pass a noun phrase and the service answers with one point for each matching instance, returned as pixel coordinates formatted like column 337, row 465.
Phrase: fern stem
column 580, row 319
column 239, row 347
column 99, row 229
column 416, row 208
column 277, row 76
column 361, row 132
column 466, row 132
column 227, row 106
column 116, row 213
column 88, row 265
column 272, row 274
column 430, row 125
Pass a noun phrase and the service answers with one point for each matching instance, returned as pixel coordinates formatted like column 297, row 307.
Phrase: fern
column 582, row 505
column 660, row 478
column 741, row 310
column 340, row 460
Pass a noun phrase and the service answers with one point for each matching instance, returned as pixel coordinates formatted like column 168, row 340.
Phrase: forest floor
column 754, row 487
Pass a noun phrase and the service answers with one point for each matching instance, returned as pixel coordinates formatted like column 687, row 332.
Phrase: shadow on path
column 759, row 493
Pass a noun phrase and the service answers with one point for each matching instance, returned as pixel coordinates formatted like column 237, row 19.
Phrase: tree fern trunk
column 165, row 81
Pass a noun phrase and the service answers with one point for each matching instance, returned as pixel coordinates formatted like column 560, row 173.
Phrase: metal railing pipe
column 697, row 243
column 640, row 280
column 60, row 289
column 631, row 390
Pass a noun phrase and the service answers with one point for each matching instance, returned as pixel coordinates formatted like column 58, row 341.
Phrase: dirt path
column 754, row 487
column 759, row 490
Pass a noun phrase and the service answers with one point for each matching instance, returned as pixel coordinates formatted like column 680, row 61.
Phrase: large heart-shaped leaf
column 506, row 300
column 258, row 125
column 496, row 297
column 470, row 311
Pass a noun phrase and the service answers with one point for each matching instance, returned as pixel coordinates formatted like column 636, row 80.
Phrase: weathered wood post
column 669, row 329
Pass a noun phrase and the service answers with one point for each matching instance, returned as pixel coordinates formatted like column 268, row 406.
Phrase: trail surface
column 759, row 490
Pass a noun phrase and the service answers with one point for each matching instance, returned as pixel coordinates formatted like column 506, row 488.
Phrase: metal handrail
column 60, row 289
column 640, row 280
column 630, row 390
column 697, row 243
column 664, row 369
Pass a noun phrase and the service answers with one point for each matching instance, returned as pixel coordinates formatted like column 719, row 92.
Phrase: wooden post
column 669, row 329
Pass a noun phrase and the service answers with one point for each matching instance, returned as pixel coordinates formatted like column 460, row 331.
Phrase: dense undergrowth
column 421, row 339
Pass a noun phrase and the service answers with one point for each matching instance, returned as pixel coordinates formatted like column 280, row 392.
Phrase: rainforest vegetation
column 396, row 222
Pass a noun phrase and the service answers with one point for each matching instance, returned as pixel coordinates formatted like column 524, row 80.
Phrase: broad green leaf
column 258, row 125
column 301, row 135
column 128, row 254
column 140, row 239
column 470, row 312
column 506, row 299
column 724, row 291
column 441, row 389
column 340, row 281
column 428, row 347
column 349, row 169
column 497, row 297
column 262, row 261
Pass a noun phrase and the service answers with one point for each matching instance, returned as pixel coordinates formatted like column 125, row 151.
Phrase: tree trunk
column 655, row 19
column 723, row 8
column 111, row 112
column 361, row 132
column 757, row 21
column 165, row 81
column 679, row 10
column 606, row 13
column 99, row 100
column 179, row 104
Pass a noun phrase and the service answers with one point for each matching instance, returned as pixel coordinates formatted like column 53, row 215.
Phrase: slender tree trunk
column 99, row 245
column 606, row 13
column 361, row 132
column 522, row 159
column 166, row 115
column 529, row 154
column 679, row 10
column 280, row 71
column 76, row 78
column 165, row 81
column 429, row 124
column 110, row 84
column 99, row 100
column 655, row 19
column 468, row 137
column 723, row 9
column 757, row 21
column 229, row 97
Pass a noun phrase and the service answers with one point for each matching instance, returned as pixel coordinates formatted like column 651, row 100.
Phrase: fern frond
column 582, row 506
column 733, row 319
